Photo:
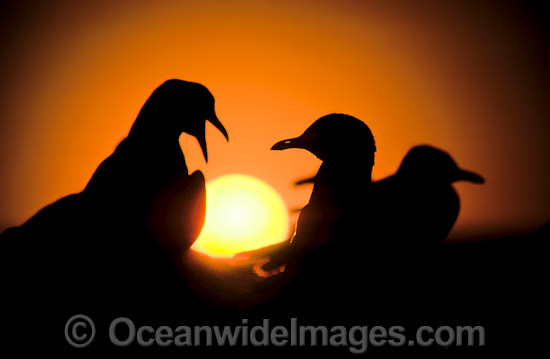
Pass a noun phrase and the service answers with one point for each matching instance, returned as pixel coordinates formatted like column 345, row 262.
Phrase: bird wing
column 192, row 206
column 440, row 217
column 177, row 214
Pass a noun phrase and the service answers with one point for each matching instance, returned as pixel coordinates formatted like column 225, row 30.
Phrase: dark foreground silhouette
column 114, row 251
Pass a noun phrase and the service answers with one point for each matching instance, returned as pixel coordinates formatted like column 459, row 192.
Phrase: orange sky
column 470, row 77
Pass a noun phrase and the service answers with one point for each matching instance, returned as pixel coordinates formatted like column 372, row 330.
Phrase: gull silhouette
column 415, row 208
column 346, row 147
column 119, row 242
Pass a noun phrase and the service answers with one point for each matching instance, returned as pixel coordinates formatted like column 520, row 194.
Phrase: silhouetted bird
column 122, row 237
column 416, row 208
column 346, row 147
column 147, row 175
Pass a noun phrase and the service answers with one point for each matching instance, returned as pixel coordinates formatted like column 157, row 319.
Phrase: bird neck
column 163, row 149
column 342, row 171
column 153, row 135
column 338, row 182
column 149, row 129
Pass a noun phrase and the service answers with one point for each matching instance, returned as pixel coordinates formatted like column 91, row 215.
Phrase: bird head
column 175, row 107
column 335, row 136
column 431, row 165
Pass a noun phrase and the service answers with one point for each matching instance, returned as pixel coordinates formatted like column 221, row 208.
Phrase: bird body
column 411, row 215
column 148, row 189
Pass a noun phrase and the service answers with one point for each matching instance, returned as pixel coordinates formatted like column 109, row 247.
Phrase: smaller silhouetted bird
column 415, row 208
column 346, row 147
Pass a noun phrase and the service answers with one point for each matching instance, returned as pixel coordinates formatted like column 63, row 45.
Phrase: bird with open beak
column 146, row 178
column 140, row 207
column 118, row 243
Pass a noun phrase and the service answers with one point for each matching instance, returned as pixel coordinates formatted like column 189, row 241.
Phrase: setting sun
column 242, row 213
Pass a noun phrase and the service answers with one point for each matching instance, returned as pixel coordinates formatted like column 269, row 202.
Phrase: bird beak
column 214, row 120
column 470, row 177
column 202, row 141
column 202, row 137
column 304, row 181
column 290, row 143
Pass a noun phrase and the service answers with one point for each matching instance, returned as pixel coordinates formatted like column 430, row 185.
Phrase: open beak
column 469, row 177
column 202, row 137
column 290, row 143
column 202, row 141
column 214, row 120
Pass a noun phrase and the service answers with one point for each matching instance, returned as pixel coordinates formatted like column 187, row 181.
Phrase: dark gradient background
column 471, row 77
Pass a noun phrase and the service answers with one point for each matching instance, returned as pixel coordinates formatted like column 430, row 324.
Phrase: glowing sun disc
column 242, row 213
